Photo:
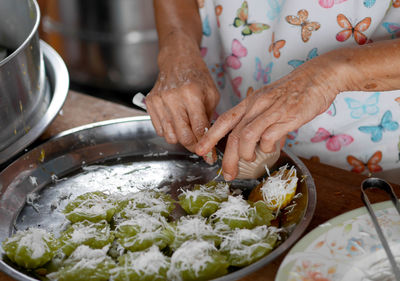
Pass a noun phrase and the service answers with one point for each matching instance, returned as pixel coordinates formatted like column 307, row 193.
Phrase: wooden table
column 338, row 191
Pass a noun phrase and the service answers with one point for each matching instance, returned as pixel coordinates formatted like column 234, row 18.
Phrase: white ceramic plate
column 346, row 247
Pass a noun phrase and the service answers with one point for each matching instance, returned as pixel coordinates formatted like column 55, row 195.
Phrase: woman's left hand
column 267, row 115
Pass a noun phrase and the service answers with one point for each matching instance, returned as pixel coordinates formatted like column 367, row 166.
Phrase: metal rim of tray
column 58, row 77
column 89, row 131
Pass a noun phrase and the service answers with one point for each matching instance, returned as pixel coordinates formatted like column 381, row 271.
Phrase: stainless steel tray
column 116, row 156
column 56, row 87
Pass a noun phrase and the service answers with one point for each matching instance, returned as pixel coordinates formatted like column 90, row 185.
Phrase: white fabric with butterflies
column 248, row 44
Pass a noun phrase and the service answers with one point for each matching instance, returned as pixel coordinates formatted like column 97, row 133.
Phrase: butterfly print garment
column 333, row 142
column 296, row 63
column 206, row 27
column 307, row 27
column 329, row 3
column 238, row 51
column 369, row 3
column 248, row 44
column 372, row 164
column 263, row 73
column 218, row 12
column 392, row 28
column 241, row 21
column 349, row 30
column 386, row 124
column 359, row 108
column 236, row 83
column 276, row 46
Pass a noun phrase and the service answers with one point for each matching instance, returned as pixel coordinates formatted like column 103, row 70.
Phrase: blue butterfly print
column 358, row 108
column 275, row 8
column 261, row 73
column 369, row 3
column 392, row 28
column 206, row 27
column 312, row 54
column 387, row 124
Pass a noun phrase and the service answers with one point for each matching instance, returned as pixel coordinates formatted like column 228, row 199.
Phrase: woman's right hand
column 184, row 97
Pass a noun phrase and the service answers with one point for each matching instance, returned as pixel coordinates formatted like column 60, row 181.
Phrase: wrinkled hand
column 267, row 115
column 183, row 99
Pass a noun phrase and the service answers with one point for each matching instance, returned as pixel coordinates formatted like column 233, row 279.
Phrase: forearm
column 178, row 25
column 371, row 67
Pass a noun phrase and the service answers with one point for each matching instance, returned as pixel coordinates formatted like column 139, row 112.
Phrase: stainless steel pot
column 23, row 95
column 105, row 43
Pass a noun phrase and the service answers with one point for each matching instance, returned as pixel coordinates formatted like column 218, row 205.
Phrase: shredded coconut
column 276, row 187
column 30, row 200
column 148, row 262
column 193, row 255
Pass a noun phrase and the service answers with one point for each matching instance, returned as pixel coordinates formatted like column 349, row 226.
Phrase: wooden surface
column 338, row 191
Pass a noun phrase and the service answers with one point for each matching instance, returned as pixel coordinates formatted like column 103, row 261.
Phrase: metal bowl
column 68, row 163
column 56, row 89
column 23, row 96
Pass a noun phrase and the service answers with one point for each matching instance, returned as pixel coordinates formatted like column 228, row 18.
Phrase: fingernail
column 227, row 177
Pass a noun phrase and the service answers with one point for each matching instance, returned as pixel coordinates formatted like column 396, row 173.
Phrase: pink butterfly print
column 203, row 51
column 329, row 3
column 238, row 51
column 236, row 83
column 333, row 142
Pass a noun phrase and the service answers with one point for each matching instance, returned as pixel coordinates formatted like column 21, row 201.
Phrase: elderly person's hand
column 270, row 113
column 267, row 115
column 184, row 97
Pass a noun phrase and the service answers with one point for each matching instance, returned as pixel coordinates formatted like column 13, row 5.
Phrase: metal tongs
column 382, row 185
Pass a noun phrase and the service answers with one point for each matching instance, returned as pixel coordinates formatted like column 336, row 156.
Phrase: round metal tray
column 56, row 86
column 117, row 156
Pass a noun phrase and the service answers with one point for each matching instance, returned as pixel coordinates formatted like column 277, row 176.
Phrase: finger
column 251, row 133
column 155, row 119
column 181, row 125
column 224, row 124
column 275, row 133
column 197, row 113
column 199, row 122
column 231, row 157
column 166, row 121
column 212, row 101
column 169, row 132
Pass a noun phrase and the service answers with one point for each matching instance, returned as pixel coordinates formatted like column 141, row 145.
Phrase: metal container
column 23, row 95
column 69, row 164
column 105, row 43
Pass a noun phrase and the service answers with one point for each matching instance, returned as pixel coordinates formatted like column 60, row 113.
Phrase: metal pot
column 23, row 95
column 105, row 43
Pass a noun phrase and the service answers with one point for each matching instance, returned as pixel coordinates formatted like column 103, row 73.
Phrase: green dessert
column 245, row 246
column 191, row 228
column 148, row 265
column 85, row 264
column 30, row 248
column 197, row 260
column 142, row 231
column 204, row 199
column 94, row 235
column 91, row 206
